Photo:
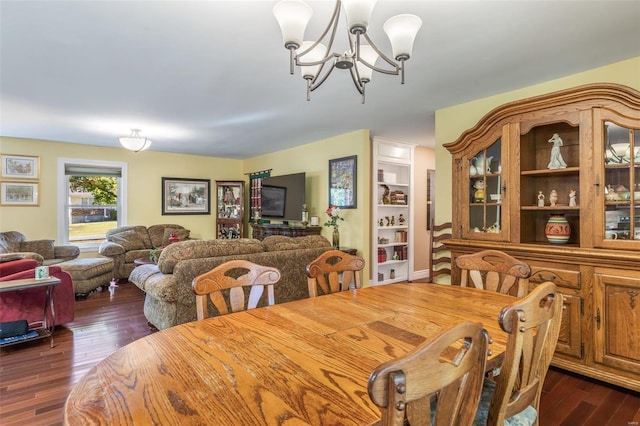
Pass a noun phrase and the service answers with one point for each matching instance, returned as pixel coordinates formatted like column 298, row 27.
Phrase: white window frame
column 63, row 199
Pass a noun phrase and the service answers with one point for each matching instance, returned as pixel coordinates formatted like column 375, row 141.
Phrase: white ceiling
column 212, row 77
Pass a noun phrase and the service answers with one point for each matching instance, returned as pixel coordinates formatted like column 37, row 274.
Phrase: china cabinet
column 392, row 242
column 554, row 180
column 230, row 208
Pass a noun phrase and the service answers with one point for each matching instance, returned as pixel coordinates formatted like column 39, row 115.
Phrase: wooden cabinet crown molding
column 598, row 94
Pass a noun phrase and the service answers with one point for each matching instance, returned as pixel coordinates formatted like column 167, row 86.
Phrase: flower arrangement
column 334, row 216
column 155, row 253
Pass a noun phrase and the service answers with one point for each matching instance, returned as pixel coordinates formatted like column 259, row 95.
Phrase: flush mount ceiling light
column 135, row 142
column 312, row 56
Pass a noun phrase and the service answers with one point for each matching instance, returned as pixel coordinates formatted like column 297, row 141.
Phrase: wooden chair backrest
column 334, row 271
column 440, row 263
column 495, row 271
column 452, row 363
column 232, row 276
column 533, row 326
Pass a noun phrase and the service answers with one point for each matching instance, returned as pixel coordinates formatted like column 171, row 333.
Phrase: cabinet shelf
column 393, row 244
column 551, row 172
column 392, row 262
column 551, row 209
column 393, row 184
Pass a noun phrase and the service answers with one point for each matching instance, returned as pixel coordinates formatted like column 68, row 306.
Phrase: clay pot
column 557, row 230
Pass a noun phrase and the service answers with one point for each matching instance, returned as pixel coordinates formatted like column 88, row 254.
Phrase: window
column 92, row 200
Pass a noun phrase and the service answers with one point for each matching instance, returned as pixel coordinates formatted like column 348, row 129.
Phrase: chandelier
column 317, row 61
column 134, row 142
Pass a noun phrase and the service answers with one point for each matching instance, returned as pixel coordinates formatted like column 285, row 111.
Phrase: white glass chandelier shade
column 369, row 54
column 358, row 14
column 402, row 31
column 314, row 55
column 318, row 63
column 135, row 142
column 293, row 17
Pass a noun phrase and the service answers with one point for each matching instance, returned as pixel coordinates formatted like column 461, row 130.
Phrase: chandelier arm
column 317, row 84
column 356, row 49
column 356, row 79
column 335, row 18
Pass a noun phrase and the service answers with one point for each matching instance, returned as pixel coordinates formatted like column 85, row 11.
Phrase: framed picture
column 342, row 182
column 20, row 167
column 19, row 193
column 186, row 196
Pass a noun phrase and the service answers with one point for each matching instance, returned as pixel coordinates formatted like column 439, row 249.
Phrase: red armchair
column 29, row 304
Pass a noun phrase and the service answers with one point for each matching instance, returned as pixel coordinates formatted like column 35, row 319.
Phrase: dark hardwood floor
column 35, row 379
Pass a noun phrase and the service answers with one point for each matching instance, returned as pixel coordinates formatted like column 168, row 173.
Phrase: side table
column 49, row 283
column 143, row 261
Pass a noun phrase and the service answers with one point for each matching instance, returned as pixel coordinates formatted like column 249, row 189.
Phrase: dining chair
column 234, row 276
column 495, row 271
column 532, row 325
column 440, row 263
column 334, row 271
column 438, row 382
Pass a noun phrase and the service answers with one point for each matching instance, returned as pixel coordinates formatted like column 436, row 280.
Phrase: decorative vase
column 336, row 237
column 557, row 230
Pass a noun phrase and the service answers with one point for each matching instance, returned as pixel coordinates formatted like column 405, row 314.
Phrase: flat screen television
column 274, row 200
column 294, row 196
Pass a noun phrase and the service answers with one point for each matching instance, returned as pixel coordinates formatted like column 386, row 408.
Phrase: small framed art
column 342, row 182
column 20, row 167
column 19, row 193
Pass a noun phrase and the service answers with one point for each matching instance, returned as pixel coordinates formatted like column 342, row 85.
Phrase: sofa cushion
column 196, row 249
column 43, row 247
column 280, row 242
column 182, row 234
column 140, row 229
column 156, row 233
column 130, row 240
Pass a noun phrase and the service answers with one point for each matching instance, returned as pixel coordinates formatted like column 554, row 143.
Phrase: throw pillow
column 183, row 234
column 43, row 247
column 130, row 240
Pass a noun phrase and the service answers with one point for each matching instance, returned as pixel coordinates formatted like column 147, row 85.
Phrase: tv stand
column 263, row 230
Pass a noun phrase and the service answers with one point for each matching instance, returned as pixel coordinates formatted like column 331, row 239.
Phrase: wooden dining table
column 295, row 363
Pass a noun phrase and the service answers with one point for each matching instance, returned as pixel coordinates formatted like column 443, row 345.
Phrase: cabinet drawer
column 561, row 277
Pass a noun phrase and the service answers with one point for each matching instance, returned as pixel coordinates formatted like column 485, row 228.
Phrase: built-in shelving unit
column 392, row 242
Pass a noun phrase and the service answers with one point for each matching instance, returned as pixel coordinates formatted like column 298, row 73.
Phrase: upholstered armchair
column 15, row 244
column 28, row 304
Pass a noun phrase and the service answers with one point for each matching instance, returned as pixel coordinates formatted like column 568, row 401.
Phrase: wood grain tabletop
column 302, row 362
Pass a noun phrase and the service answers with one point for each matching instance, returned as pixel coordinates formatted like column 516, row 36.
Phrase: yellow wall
column 145, row 172
column 452, row 122
column 313, row 159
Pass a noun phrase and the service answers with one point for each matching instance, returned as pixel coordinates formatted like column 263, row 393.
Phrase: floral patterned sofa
column 169, row 298
column 128, row 243
column 14, row 245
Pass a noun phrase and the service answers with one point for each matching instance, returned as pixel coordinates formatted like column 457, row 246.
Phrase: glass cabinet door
column 621, row 187
column 485, row 192
column 230, row 209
